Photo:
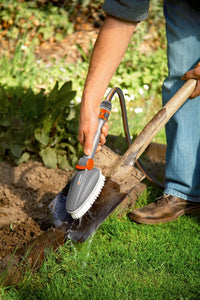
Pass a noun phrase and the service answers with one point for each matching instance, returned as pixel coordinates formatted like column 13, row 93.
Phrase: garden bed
column 25, row 193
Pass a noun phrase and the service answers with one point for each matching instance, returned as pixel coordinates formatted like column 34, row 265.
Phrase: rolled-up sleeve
column 130, row 10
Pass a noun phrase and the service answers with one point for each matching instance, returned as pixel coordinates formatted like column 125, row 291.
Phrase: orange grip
column 89, row 165
column 102, row 113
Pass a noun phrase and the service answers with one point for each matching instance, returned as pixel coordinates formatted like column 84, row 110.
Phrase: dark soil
column 25, row 193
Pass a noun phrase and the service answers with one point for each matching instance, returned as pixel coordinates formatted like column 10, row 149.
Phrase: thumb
column 88, row 145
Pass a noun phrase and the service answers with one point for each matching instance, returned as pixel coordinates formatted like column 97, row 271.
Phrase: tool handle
column 105, row 109
column 96, row 139
column 157, row 122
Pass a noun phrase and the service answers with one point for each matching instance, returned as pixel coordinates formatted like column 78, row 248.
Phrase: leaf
column 41, row 136
column 83, row 54
column 71, row 115
column 5, row 123
column 63, row 162
column 49, row 157
column 16, row 150
column 66, row 87
column 53, row 94
column 25, row 156
column 58, row 99
column 64, row 99
column 71, row 148
column 63, row 145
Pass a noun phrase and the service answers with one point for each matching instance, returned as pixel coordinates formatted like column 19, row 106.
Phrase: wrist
column 92, row 98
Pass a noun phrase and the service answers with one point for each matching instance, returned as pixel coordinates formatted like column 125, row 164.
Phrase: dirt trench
column 25, row 193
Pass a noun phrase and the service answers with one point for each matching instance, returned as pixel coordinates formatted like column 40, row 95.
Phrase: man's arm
column 108, row 52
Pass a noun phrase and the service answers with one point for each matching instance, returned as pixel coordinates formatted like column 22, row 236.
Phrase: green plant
column 41, row 124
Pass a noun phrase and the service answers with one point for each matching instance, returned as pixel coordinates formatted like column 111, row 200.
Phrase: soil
column 27, row 190
column 25, row 193
column 67, row 48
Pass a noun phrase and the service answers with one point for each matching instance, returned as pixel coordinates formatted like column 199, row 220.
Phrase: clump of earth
column 25, row 193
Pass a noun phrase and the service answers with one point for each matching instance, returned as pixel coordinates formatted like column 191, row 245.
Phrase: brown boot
column 165, row 209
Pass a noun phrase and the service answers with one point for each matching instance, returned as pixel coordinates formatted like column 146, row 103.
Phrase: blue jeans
column 183, row 129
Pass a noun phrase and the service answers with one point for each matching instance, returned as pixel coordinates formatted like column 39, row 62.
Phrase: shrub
column 41, row 124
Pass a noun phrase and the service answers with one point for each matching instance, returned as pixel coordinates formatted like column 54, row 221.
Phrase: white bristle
column 78, row 213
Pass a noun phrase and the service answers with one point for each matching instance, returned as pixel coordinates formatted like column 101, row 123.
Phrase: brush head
column 57, row 208
column 83, row 191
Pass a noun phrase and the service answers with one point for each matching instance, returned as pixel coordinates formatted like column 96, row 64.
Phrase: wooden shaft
column 157, row 122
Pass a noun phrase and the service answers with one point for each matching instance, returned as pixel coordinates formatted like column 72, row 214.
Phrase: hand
column 87, row 129
column 194, row 74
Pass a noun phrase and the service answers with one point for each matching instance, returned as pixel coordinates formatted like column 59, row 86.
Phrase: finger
column 81, row 138
column 106, row 125
column 105, row 129
column 188, row 75
column 198, row 65
column 88, row 144
column 98, row 148
column 102, row 139
column 196, row 91
column 86, row 140
column 192, row 74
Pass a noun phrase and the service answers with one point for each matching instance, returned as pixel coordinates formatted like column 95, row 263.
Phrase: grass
column 123, row 260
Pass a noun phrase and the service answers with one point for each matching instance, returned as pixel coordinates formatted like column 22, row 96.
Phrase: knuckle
column 197, row 72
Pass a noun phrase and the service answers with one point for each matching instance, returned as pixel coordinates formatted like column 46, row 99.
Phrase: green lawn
column 123, row 260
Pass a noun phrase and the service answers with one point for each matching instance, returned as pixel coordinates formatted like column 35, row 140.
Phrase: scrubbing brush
column 80, row 193
column 88, row 181
column 82, row 196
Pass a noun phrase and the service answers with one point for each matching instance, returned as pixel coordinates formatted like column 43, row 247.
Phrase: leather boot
column 164, row 209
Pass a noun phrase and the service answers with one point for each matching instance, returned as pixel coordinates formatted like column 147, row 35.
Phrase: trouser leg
column 183, row 129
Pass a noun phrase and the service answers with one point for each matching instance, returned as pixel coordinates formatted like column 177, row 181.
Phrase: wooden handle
column 156, row 123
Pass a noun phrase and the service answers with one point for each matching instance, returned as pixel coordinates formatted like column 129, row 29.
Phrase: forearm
column 108, row 52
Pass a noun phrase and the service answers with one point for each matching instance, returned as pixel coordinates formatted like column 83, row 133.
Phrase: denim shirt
column 137, row 10
column 131, row 10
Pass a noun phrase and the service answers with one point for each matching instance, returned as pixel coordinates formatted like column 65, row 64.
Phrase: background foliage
column 38, row 123
column 40, row 100
column 44, row 20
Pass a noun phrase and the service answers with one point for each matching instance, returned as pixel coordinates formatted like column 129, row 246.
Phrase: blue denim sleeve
column 130, row 10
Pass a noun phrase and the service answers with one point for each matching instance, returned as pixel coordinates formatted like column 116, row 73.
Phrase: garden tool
column 122, row 180
column 88, row 181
